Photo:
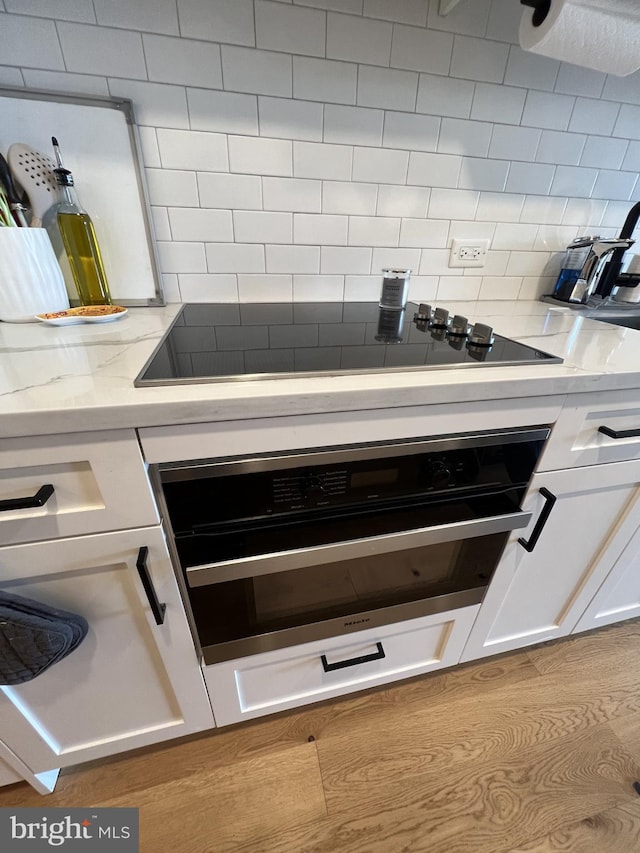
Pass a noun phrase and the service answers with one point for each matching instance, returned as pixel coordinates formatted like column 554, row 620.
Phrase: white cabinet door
column 619, row 596
column 539, row 595
column 131, row 682
column 287, row 678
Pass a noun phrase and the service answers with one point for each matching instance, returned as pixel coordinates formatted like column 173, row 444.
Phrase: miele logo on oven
column 356, row 622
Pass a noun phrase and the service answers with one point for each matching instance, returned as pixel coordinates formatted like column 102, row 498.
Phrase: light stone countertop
column 74, row 378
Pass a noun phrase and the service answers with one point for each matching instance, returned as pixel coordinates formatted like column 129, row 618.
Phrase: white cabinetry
column 131, row 682
column 274, row 681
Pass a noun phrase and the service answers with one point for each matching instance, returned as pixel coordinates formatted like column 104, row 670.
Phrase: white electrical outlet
column 468, row 253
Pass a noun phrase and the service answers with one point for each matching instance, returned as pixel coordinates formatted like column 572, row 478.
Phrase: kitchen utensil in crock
column 34, row 173
column 6, row 181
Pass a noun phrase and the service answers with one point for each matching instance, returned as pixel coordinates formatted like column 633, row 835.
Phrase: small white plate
column 73, row 319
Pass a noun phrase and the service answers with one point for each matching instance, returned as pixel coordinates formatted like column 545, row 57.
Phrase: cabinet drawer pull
column 550, row 499
column 341, row 664
column 39, row 499
column 619, row 433
column 157, row 608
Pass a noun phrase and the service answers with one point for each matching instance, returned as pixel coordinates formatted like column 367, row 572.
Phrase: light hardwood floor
column 532, row 752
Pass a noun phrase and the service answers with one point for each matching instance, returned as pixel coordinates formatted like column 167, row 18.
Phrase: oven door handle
column 300, row 558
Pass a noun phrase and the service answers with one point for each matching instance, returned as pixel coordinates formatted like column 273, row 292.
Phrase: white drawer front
column 99, row 483
column 576, row 440
column 274, row 681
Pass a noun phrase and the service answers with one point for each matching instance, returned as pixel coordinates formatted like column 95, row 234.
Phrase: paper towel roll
column 599, row 34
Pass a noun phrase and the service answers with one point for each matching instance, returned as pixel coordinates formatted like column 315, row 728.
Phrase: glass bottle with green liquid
column 79, row 238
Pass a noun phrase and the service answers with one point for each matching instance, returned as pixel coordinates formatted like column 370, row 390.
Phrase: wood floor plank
column 595, row 650
column 627, row 728
column 614, row 831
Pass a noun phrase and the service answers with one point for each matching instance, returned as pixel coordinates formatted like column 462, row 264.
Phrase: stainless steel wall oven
column 288, row 548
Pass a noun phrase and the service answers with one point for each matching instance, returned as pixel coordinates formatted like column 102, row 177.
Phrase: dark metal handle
column 550, row 499
column 619, row 433
column 341, row 664
column 157, row 608
column 39, row 499
column 541, row 10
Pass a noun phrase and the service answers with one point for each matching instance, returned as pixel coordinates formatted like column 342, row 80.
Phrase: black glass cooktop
column 224, row 342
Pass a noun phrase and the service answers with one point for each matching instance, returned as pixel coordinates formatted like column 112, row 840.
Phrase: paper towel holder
column 541, row 10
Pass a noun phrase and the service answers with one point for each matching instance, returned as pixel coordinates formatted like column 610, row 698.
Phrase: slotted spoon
column 34, row 172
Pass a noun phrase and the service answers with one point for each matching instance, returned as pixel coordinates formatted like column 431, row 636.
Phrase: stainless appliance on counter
column 283, row 549
column 231, row 342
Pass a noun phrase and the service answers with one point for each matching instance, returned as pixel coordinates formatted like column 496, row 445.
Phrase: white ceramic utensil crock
column 31, row 280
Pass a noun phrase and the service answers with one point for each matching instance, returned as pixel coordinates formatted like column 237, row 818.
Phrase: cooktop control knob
column 481, row 335
column 459, row 326
column 424, row 313
column 312, row 485
column 438, row 474
column 441, row 318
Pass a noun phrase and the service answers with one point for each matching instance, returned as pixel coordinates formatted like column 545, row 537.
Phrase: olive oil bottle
column 80, row 243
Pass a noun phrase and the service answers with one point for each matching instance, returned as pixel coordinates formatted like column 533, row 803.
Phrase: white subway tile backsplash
column 628, row 122
column 395, row 258
column 14, row 77
column 554, row 238
column 176, row 60
column 396, row 200
column 223, row 21
column 504, row 21
column 324, row 80
column 533, row 287
column 182, row 149
column 530, row 70
column 349, row 198
column 632, row 157
column 294, row 194
column 591, row 116
column 444, row 96
column 350, row 6
column 479, row 59
column 347, row 260
column 321, row 288
column 534, row 178
column 373, row 231
column 170, row 287
column 160, row 219
column 281, row 117
column 573, row 181
column 358, row 39
column 387, row 88
column 542, row 210
column 514, row 236
column 287, row 29
column 265, row 288
column 257, row 226
column 172, row 188
column 461, row 287
column 362, row 288
column 514, row 143
column 453, row 204
column 471, row 20
column 260, row 72
column 230, row 191
column 478, row 173
column 156, row 16
column 402, row 11
column 292, row 259
column 547, row 110
column 499, row 207
column 501, row 104
column 234, row 258
column 205, row 287
column 421, row 50
column 614, row 215
column 55, row 81
column 316, row 160
column 574, row 80
column 407, row 130
column 380, row 165
column 320, row 229
column 526, row 263
column 564, row 149
column 604, row 152
column 459, row 136
column 500, row 287
column 587, row 213
column 352, row 125
column 625, row 89
column 189, row 224
column 424, row 233
column 181, row 257
column 224, row 112
column 156, row 104
column 62, row 10
column 435, row 262
column 37, row 40
column 99, row 50
column 614, row 185
column 464, row 229
column 495, row 264
column 434, row 170
column 260, row 156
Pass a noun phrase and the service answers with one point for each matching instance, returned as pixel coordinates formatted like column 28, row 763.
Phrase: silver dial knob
column 459, row 326
column 441, row 318
column 481, row 335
